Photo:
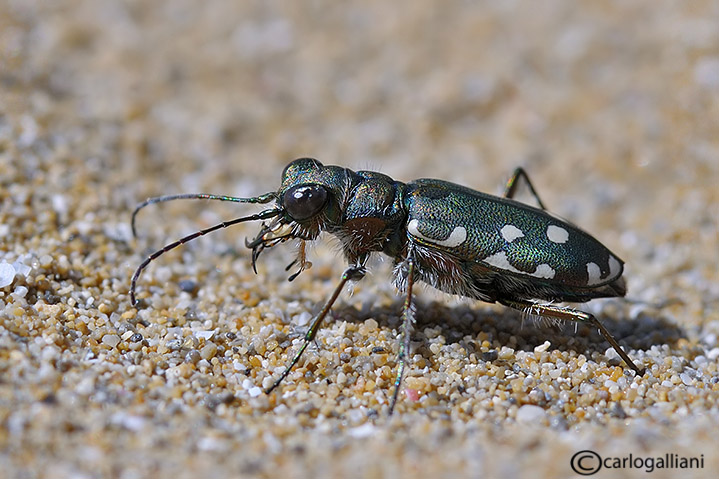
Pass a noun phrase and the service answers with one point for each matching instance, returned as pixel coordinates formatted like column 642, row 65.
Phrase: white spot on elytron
column 557, row 234
column 500, row 260
column 455, row 238
column 544, row 271
column 594, row 273
column 511, row 233
column 615, row 267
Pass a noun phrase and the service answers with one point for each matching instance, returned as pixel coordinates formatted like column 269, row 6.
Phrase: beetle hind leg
column 511, row 188
column 559, row 313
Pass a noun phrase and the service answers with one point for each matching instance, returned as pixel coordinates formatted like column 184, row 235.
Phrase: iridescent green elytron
column 455, row 239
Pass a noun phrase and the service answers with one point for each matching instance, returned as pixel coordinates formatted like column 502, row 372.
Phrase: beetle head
column 309, row 201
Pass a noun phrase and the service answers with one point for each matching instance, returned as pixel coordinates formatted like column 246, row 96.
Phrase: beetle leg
column 301, row 259
column 557, row 312
column 407, row 320
column 513, row 182
column 353, row 273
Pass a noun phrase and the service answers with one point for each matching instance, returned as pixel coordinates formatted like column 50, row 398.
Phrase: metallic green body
column 457, row 236
column 439, row 207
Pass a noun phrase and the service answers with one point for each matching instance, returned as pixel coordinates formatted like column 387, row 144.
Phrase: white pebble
column 686, row 379
column 21, row 268
column 59, row 204
column 203, row 363
column 356, row 415
column 365, row 430
column 85, row 386
column 129, row 421
column 20, row 291
column 506, row 353
column 542, row 347
column 7, row 274
column 211, row 444
column 111, row 340
column 254, row 392
column 303, row 319
column 204, row 334
column 45, row 261
column 530, row 413
column 268, row 382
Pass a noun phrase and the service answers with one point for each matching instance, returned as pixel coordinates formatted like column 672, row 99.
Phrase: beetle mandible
column 453, row 238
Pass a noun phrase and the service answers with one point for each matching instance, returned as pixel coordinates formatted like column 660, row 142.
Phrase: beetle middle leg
column 353, row 273
column 511, row 188
column 557, row 312
column 407, row 320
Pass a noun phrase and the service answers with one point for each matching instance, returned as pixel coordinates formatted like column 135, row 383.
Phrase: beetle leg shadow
column 507, row 327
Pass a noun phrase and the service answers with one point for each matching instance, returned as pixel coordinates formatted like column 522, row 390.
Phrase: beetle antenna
column 266, row 198
column 259, row 216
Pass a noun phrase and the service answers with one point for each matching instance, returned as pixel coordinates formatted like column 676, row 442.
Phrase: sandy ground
column 612, row 107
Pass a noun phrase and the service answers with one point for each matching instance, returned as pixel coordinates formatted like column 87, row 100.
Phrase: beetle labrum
column 455, row 239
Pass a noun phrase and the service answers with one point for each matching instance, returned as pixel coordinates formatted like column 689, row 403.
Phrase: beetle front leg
column 301, row 260
column 513, row 182
column 557, row 312
column 407, row 320
column 353, row 273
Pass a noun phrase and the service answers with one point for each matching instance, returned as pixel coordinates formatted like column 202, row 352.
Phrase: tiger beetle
column 455, row 239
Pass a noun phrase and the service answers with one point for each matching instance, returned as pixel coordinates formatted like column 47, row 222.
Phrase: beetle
column 456, row 239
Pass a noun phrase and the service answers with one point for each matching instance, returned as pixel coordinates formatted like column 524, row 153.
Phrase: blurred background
column 612, row 107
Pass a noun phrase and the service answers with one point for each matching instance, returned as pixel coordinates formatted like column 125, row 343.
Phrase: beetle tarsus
column 557, row 312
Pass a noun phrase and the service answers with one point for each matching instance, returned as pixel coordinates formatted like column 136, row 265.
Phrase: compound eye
column 303, row 202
